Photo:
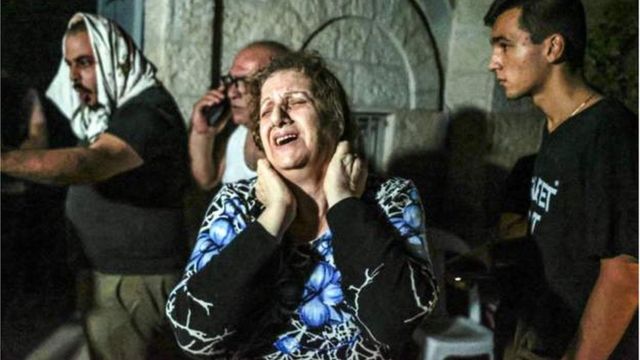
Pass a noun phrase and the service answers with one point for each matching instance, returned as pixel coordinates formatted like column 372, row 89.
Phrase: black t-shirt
column 133, row 222
column 516, row 199
column 584, row 207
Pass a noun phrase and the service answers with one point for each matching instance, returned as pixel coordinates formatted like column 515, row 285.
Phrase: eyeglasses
column 229, row 80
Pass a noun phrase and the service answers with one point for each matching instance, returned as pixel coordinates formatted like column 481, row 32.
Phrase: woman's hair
column 330, row 98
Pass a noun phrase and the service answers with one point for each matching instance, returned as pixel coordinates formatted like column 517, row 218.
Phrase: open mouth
column 285, row 139
column 83, row 93
column 85, row 97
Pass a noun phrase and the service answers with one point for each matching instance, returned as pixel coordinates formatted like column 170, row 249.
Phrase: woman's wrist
column 276, row 218
column 336, row 197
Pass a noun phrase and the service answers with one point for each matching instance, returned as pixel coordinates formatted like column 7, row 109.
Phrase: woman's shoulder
column 383, row 186
column 239, row 193
column 391, row 192
column 242, row 188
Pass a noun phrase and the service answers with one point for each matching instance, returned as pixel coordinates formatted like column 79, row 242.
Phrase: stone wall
column 178, row 40
column 468, row 82
column 438, row 14
column 379, row 49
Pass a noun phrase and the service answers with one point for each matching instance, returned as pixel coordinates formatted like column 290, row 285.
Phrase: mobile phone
column 214, row 114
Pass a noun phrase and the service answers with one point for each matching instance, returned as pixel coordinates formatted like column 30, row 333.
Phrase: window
column 372, row 128
column 127, row 13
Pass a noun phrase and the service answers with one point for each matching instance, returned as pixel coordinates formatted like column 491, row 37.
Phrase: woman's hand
column 275, row 195
column 346, row 175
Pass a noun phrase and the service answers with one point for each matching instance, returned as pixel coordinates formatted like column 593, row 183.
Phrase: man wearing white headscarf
column 127, row 176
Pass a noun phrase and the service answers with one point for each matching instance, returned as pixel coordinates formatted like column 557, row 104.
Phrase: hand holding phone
column 214, row 114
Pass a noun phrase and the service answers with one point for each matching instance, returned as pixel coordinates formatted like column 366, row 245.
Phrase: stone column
column 179, row 41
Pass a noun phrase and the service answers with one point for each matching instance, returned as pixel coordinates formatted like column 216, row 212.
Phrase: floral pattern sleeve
column 210, row 307
column 389, row 289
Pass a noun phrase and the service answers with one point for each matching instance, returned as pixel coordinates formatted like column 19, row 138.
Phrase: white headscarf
column 122, row 72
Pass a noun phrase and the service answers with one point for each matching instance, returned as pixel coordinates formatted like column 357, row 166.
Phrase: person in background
column 225, row 152
column 313, row 258
column 37, row 294
column 583, row 217
column 126, row 175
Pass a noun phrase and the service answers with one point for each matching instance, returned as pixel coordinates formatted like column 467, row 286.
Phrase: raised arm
column 280, row 204
column 389, row 289
column 106, row 157
column 229, row 279
column 206, row 143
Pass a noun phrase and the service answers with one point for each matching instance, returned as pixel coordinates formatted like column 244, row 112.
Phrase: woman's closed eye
column 296, row 100
column 266, row 111
column 294, row 103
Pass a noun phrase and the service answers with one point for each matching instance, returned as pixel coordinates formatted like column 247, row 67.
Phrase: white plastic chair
column 440, row 335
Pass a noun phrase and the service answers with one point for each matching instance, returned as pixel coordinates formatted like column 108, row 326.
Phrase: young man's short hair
column 541, row 18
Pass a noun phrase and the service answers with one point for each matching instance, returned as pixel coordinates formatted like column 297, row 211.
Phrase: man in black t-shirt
column 513, row 216
column 583, row 217
column 127, row 176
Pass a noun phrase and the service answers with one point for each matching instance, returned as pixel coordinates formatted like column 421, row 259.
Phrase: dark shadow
column 460, row 189
column 462, row 194
column 37, row 283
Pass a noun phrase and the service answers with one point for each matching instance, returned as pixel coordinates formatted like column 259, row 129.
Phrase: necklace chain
column 582, row 105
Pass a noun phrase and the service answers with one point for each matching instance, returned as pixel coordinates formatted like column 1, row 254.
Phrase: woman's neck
column 310, row 221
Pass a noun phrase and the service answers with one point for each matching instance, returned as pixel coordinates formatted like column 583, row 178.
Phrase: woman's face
column 290, row 127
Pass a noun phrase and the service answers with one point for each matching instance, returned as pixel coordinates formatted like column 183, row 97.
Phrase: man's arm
column 207, row 143
column 207, row 158
column 611, row 306
column 106, row 157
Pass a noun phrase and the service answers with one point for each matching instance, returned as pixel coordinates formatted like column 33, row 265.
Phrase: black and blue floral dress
column 356, row 292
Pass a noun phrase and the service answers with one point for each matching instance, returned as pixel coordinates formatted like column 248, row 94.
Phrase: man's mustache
column 79, row 88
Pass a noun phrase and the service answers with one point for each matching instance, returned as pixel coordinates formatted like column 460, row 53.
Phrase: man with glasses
column 225, row 151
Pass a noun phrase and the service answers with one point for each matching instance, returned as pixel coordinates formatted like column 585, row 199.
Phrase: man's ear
column 555, row 48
